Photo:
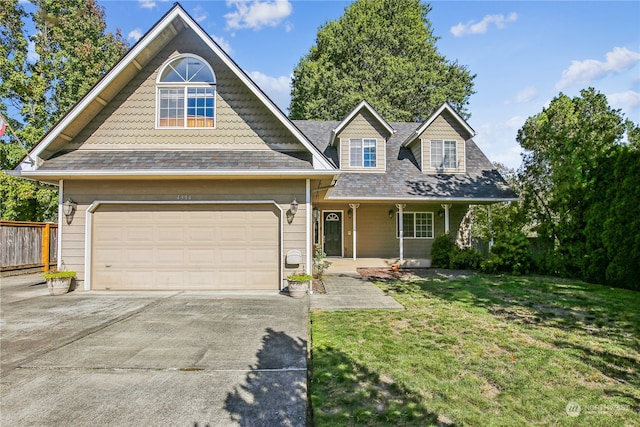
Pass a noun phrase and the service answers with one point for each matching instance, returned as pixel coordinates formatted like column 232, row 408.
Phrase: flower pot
column 297, row 289
column 59, row 285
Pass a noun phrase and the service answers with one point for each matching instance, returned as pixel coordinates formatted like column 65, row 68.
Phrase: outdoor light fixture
column 68, row 209
column 391, row 212
column 316, row 214
column 350, row 212
column 293, row 208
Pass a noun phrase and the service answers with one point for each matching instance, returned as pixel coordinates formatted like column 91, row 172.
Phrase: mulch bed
column 385, row 274
column 318, row 287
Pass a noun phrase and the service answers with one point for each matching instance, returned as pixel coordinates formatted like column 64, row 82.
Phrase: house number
column 184, row 197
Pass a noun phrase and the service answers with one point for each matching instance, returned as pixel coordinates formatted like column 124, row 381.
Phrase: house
column 176, row 171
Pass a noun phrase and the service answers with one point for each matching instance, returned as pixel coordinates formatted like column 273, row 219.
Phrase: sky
column 523, row 53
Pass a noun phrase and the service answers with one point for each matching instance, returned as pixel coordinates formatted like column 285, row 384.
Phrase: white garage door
column 222, row 247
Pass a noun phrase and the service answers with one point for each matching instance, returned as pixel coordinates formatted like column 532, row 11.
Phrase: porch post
column 401, row 231
column 446, row 208
column 355, row 207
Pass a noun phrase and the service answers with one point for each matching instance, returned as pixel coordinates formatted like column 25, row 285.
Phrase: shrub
column 510, row 254
column 441, row 250
column 466, row 259
column 320, row 263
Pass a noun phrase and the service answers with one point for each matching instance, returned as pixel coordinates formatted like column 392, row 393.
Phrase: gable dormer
column 439, row 144
column 361, row 140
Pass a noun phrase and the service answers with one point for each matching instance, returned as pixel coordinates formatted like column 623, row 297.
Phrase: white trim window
column 444, row 154
column 415, row 225
column 186, row 92
column 362, row 152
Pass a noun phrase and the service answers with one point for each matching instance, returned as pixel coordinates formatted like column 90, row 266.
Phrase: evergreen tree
column 42, row 75
column 382, row 51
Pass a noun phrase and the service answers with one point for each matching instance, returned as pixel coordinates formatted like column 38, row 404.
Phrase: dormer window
column 362, row 152
column 186, row 94
column 444, row 154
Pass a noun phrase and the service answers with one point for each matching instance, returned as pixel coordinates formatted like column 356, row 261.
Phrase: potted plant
column 59, row 282
column 298, row 284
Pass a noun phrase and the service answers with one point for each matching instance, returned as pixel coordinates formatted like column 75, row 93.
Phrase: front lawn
column 481, row 350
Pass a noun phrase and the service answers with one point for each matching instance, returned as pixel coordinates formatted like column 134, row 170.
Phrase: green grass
column 481, row 350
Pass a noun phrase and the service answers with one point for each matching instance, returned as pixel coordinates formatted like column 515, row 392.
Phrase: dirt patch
column 405, row 273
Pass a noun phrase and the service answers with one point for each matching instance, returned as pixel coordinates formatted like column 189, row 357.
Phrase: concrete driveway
column 151, row 358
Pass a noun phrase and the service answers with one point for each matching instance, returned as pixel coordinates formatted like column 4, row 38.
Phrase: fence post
column 45, row 246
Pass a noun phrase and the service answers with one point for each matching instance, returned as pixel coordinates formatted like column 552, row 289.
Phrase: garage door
column 170, row 247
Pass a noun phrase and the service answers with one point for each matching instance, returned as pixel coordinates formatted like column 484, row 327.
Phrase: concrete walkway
column 350, row 291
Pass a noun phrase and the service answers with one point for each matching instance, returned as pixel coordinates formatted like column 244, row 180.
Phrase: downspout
column 60, row 201
column 309, row 225
column 355, row 207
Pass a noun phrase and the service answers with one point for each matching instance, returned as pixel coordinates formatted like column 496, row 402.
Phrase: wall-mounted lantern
column 68, row 209
column 391, row 213
column 293, row 208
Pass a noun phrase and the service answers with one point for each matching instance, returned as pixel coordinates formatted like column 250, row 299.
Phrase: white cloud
column 199, row 14
column 134, row 34
column 223, row 43
column 584, row 72
column 257, row 14
column 147, row 4
column 498, row 141
column 472, row 27
column 527, row 94
column 627, row 101
column 277, row 88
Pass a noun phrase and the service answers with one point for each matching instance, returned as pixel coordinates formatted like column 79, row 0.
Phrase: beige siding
column 87, row 192
column 376, row 232
column 444, row 127
column 363, row 125
column 128, row 121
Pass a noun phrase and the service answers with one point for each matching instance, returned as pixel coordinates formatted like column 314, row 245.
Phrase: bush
column 441, row 251
column 466, row 259
column 510, row 254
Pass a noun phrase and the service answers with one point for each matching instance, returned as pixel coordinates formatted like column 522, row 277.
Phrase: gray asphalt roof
column 403, row 179
column 185, row 160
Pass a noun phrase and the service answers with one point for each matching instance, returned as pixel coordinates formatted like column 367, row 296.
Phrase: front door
column 332, row 233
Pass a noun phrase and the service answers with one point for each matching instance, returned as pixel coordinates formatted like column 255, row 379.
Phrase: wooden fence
column 28, row 246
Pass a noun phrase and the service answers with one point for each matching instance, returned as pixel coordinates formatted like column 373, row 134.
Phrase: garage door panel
column 186, row 247
column 134, row 256
column 140, row 234
column 200, row 256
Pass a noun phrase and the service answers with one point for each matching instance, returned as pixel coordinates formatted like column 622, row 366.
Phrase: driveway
column 151, row 358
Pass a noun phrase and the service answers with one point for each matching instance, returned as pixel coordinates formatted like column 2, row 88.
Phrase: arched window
column 186, row 94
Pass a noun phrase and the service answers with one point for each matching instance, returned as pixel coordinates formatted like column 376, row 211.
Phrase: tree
column 70, row 50
column 567, row 146
column 382, row 51
column 612, row 231
column 505, row 216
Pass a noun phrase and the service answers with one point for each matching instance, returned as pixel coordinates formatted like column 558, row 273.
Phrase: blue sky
column 523, row 53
